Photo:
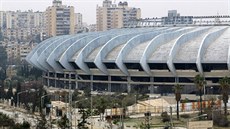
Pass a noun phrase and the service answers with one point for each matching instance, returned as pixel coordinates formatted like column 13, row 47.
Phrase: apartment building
column 17, row 52
column 110, row 15
column 19, row 19
column 21, row 26
column 59, row 19
column 78, row 22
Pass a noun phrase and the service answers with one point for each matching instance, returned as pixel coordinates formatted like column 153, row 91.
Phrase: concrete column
column 65, row 86
column 69, row 81
column 43, row 78
column 55, row 81
column 128, row 84
column 91, row 82
column 76, row 81
column 109, row 84
column 176, row 80
column 151, row 88
column 48, row 80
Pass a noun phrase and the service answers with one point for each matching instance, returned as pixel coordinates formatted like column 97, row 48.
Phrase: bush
column 24, row 125
column 223, row 122
column 165, row 117
column 185, row 116
column 219, row 119
column 208, row 111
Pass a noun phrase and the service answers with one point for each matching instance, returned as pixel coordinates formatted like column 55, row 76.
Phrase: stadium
column 143, row 59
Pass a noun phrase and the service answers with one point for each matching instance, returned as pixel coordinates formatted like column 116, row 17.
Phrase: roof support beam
column 72, row 49
column 155, row 43
column 39, row 50
column 208, row 39
column 45, row 52
column 181, row 40
column 88, row 49
column 59, row 49
column 133, row 42
column 111, row 44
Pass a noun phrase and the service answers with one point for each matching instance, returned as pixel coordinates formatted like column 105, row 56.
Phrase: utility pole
column 70, row 106
column 91, row 101
column 171, row 124
column 122, row 116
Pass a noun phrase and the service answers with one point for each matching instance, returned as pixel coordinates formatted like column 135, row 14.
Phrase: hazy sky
column 149, row 8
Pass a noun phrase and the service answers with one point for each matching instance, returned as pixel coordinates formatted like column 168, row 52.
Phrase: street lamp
column 42, row 99
column 31, row 90
column 122, row 117
column 91, row 108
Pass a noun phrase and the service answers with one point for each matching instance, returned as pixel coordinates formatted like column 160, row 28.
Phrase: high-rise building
column 111, row 16
column 18, row 19
column 17, row 51
column 60, row 19
column 21, row 25
column 78, row 22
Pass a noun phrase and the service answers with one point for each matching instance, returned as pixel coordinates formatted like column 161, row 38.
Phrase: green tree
column 9, row 93
column 40, row 93
column 76, row 95
column 1, row 36
column 224, row 86
column 6, row 120
column 42, row 123
column 18, row 89
column 63, row 123
column 3, row 63
column 25, row 125
column 200, row 83
column 101, row 105
column 177, row 90
column 2, row 90
column 35, row 72
column 82, row 123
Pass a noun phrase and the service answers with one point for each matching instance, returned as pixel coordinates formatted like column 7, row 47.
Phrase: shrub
column 165, row 117
column 223, row 122
column 185, row 116
column 219, row 119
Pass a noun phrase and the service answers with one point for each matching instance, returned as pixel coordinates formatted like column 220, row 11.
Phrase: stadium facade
column 123, row 59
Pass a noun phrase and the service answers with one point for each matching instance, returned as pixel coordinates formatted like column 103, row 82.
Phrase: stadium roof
column 170, row 45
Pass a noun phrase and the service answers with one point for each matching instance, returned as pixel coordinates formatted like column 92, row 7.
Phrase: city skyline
column 150, row 8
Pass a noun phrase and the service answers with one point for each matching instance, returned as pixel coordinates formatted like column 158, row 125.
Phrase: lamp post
column 91, row 108
column 42, row 99
column 51, row 109
column 31, row 90
column 122, row 117
column 18, row 96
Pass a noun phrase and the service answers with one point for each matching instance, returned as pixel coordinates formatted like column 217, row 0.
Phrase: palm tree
column 225, row 86
column 177, row 90
column 200, row 83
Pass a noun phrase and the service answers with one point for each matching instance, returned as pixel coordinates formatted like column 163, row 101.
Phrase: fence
column 183, row 107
